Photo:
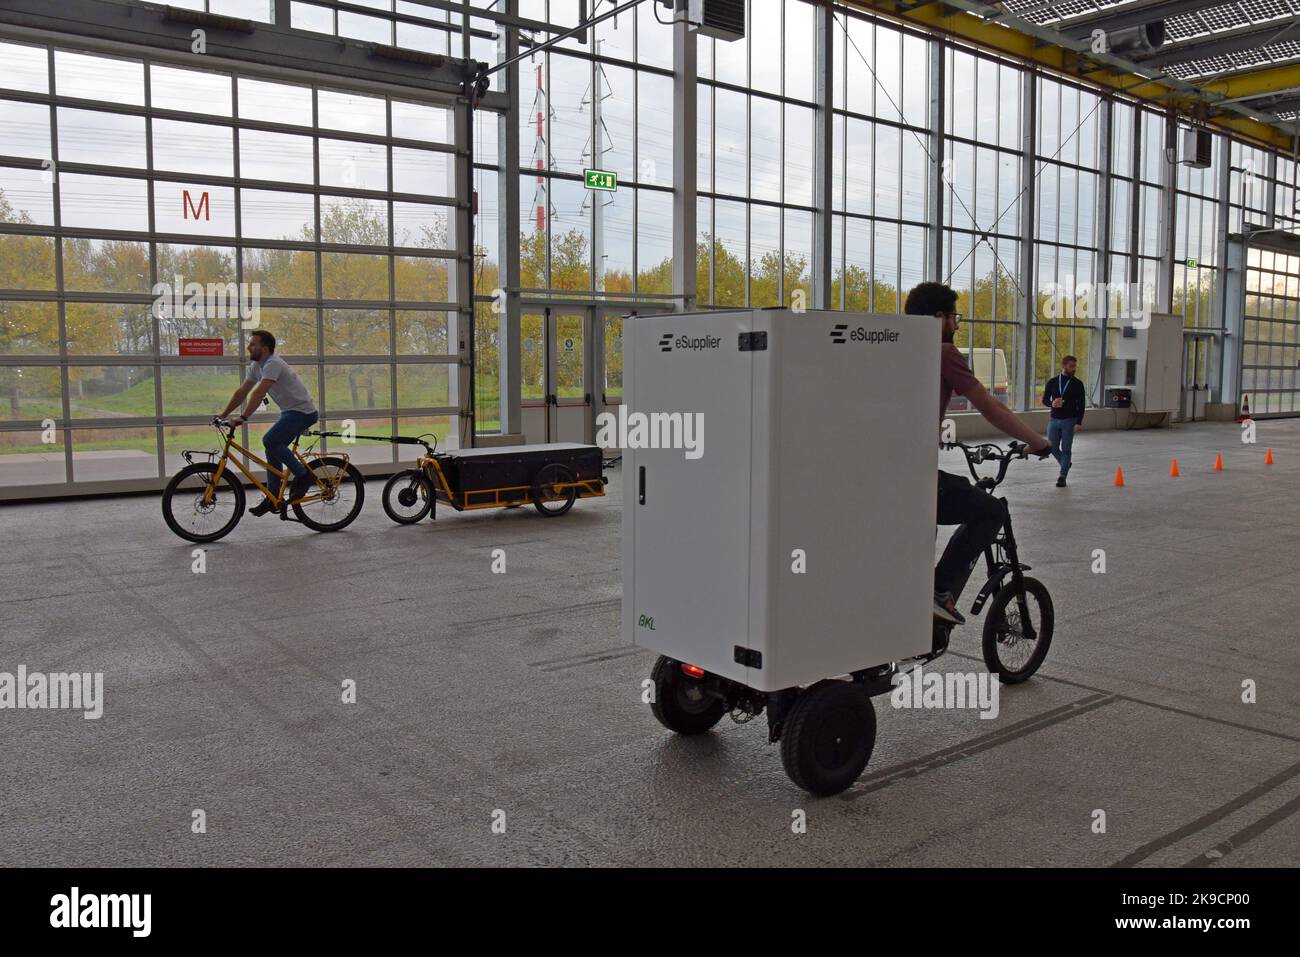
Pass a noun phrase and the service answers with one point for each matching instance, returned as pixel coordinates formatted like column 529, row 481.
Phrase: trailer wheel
column 680, row 703
column 828, row 737
column 408, row 497
column 549, row 501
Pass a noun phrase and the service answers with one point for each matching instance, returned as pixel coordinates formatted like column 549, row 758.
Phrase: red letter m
column 187, row 207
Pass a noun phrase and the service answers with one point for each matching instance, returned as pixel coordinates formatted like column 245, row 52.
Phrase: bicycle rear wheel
column 197, row 515
column 339, row 491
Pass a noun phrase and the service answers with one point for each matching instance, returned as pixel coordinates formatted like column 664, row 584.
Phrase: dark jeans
column 276, row 442
column 980, row 516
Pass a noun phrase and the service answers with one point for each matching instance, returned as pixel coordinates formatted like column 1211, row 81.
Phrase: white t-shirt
column 288, row 392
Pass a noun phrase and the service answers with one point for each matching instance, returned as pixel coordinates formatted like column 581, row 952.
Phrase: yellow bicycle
column 204, row 501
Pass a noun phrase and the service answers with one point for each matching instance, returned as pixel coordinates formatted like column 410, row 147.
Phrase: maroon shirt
column 954, row 376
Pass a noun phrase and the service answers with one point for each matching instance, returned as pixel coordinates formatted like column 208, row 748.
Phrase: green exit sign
column 1193, row 264
column 599, row 179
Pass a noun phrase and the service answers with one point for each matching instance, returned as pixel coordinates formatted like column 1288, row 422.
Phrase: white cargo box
column 819, row 439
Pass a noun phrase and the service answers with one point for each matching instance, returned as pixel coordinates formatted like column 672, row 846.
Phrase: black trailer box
column 477, row 470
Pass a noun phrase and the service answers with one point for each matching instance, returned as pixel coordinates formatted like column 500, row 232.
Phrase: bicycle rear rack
column 188, row 455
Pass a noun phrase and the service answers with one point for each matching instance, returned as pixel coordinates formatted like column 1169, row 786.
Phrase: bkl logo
column 647, row 622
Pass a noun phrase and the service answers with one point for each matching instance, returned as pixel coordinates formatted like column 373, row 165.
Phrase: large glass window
column 982, row 199
column 607, row 105
column 881, row 164
column 156, row 249
column 756, row 128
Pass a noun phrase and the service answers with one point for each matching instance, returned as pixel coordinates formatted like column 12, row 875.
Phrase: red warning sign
column 203, row 347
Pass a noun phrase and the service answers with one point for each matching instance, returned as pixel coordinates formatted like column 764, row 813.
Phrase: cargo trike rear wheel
column 828, row 737
column 681, row 703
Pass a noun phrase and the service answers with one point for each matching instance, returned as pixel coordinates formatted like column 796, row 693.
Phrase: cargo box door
column 689, row 507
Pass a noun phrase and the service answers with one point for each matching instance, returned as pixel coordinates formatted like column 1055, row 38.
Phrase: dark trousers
column 277, row 440
column 980, row 516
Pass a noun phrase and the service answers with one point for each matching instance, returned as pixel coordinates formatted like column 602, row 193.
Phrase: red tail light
column 692, row 672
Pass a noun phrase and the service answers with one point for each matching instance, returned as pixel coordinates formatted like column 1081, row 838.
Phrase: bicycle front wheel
column 1012, row 651
column 338, row 492
column 199, row 509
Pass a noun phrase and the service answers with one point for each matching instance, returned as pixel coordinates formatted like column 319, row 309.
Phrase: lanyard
column 1060, row 386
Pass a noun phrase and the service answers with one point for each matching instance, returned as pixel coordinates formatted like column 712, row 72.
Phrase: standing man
column 979, row 514
column 1064, row 395
column 268, row 373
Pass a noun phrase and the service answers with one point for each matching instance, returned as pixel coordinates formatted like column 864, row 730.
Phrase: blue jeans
column 276, row 442
column 1060, row 432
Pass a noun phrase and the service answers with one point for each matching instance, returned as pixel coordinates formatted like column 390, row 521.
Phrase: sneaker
column 265, row 507
column 945, row 608
column 942, row 632
column 1060, row 482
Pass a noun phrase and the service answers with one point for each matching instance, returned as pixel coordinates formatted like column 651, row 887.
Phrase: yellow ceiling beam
column 1257, row 82
column 1011, row 42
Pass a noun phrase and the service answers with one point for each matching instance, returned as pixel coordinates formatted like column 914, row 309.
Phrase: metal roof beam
column 1228, row 41
column 268, row 44
column 1283, row 105
column 994, row 30
column 1130, row 15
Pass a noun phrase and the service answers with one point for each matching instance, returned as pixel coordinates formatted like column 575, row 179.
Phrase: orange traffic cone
column 1119, row 478
column 1173, row 470
column 1218, row 462
column 1268, row 457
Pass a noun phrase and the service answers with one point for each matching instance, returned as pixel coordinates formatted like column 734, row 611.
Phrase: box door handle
column 641, row 484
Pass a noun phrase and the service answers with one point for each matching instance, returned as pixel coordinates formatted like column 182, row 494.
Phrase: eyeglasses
column 957, row 318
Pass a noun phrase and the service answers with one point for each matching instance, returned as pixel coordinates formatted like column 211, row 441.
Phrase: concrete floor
column 481, row 692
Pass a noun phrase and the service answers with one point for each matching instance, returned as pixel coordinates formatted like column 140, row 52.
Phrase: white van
column 990, row 367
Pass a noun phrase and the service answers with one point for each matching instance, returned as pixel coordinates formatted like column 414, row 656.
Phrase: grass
column 198, row 394
column 177, row 439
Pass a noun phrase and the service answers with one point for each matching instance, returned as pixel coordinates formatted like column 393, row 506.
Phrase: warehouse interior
column 446, row 211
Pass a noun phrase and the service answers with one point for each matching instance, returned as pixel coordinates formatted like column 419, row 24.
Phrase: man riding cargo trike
column 788, row 569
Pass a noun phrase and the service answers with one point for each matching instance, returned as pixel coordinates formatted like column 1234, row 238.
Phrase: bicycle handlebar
column 990, row 452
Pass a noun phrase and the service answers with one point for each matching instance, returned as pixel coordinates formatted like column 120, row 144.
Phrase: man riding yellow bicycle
column 205, row 500
column 269, row 374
